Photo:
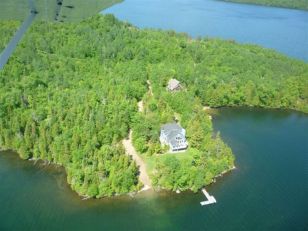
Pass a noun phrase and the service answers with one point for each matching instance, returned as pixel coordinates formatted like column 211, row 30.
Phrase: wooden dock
column 210, row 199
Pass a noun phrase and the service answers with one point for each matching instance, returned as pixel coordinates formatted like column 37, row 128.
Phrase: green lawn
column 181, row 156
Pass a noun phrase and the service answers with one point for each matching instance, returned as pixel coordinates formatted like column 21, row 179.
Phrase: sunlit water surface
column 285, row 30
column 267, row 191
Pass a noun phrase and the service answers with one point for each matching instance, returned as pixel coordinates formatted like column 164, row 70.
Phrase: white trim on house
column 173, row 135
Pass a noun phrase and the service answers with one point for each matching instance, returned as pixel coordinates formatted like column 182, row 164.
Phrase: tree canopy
column 296, row 4
column 69, row 96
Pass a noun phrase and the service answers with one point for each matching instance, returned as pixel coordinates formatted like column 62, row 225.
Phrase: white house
column 173, row 135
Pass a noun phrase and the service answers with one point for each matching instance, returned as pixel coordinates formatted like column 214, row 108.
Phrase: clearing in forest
column 130, row 150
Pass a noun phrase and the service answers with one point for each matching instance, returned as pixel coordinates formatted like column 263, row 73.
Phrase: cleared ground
column 130, row 150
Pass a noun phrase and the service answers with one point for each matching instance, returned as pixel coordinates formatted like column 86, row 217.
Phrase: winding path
column 150, row 87
column 130, row 150
column 140, row 106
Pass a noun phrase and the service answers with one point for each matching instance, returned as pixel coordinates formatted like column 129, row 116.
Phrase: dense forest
column 295, row 4
column 69, row 96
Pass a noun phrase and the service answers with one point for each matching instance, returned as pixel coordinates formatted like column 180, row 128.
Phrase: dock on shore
column 210, row 199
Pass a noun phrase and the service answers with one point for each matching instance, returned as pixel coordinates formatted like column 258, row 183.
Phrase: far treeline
column 295, row 4
column 69, row 96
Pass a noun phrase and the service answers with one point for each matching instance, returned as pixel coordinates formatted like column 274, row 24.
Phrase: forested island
column 69, row 96
column 293, row 4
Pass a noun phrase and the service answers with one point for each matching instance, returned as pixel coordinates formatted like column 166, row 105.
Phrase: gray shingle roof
column 171, row 127
column 172, row 130
column 174, row 141
column 174, row 135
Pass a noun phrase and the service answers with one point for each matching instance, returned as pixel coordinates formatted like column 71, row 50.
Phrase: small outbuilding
column 174, row 85
column 173, row 135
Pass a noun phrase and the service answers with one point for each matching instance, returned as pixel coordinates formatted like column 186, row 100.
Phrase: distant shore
column 267, row 4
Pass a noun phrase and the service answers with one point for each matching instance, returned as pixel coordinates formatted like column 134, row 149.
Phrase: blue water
column 267, row 192
column 284, row 30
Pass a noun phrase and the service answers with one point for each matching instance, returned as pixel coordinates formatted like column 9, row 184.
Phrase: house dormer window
column 173, row 134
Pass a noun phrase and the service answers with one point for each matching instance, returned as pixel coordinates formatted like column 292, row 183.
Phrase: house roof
column 171, row 127
column 173, row 141
column 172, row 130
column 173, row 133
column 173, row 83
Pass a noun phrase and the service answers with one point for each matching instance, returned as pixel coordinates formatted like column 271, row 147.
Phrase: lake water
column 285, row 30
column 267, row 191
